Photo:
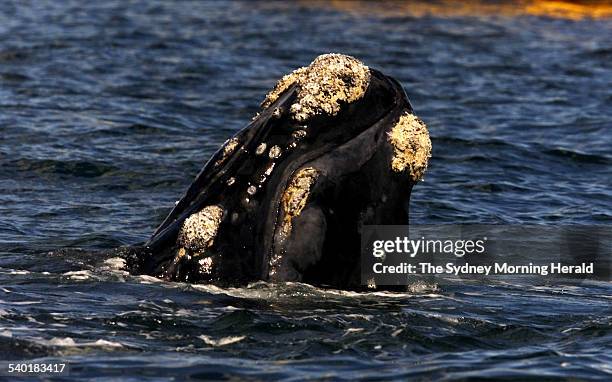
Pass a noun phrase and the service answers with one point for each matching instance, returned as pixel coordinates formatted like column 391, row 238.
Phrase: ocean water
column 109, row 109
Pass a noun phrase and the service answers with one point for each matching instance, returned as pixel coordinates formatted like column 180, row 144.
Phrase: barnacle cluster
column 295, row 196
column 411, row 145
column 200, row 229
column 322, row 87
column 228, row 148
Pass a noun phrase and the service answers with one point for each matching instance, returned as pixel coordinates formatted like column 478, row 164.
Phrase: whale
column 336, row 146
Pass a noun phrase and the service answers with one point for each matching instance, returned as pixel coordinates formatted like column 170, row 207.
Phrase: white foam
column 19, row 272
column 19, row 302
column 352, row 330
column 145, row 279
column 221, row 341
column 106, row 343
column 69, row 342
column 79, row 275
column 6, row 333
column 66, row 341
column 267, row 291
column 116, row 263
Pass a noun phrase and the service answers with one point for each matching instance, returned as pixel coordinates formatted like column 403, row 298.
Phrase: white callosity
column 200, row 229
column 296, row 194
column 206, row 265
column 322, row 87
column 411, row 146
column 228, row 148
column 293, row 202
column 261, row 148
column 275, row 152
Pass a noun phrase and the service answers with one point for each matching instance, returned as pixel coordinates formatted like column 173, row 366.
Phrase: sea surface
column 109, row 109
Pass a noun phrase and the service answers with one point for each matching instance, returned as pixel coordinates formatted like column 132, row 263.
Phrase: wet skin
column 271, row 231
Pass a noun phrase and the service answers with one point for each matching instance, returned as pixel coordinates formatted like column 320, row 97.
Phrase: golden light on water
column 572, row 10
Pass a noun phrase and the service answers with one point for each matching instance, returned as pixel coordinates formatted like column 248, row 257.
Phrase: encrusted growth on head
column 329, row 81
column 200, row 229
column 411, row 146
column 282, row 85
column 296, row 194
column 206, row 265
column 228, row 148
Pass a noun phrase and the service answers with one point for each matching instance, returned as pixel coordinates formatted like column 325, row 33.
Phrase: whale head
column 335, row 146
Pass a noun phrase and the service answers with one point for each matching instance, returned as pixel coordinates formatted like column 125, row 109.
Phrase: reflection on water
column 571, row 10
column 108, row 109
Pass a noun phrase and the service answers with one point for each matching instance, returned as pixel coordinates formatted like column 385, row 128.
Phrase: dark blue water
column 109, row 109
